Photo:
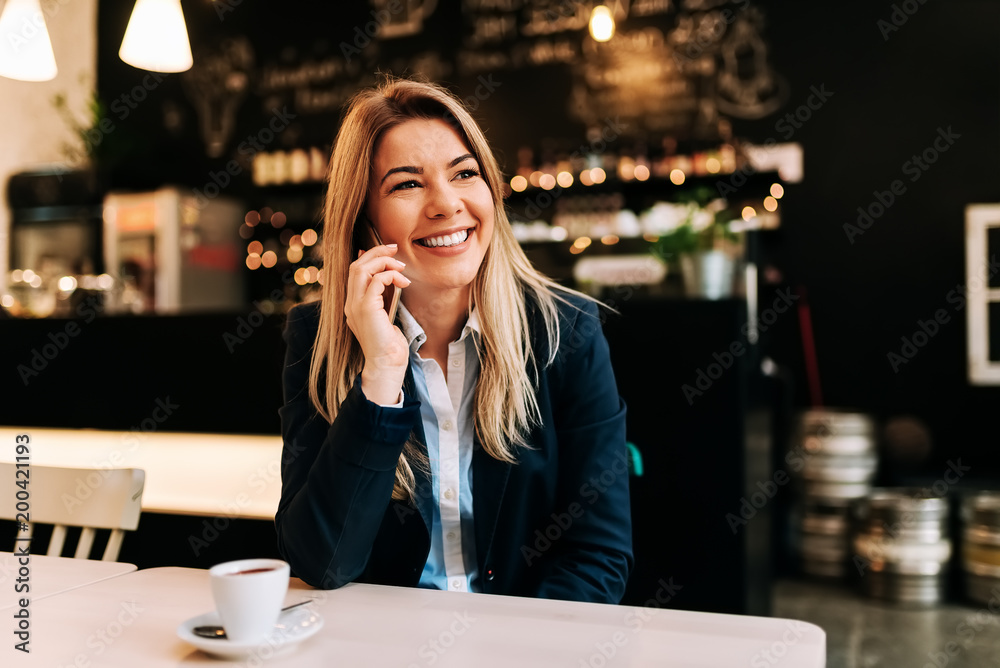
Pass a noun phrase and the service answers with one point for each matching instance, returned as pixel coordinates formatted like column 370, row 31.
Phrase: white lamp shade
column 156, row 38
column 25, row 48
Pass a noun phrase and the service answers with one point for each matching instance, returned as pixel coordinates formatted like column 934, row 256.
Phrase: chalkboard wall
column 528, row 69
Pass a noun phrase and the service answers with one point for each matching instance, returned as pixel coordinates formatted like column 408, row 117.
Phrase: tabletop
column 40, row 576
column 131, row 620
column 219, row 475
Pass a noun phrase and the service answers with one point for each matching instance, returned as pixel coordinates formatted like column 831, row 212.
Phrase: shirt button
column 447, row 425
column 451, row 535
column 449, row 494
column 456, row 363
column 456, row 584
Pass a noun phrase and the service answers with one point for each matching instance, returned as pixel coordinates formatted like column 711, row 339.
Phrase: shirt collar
column 415, row 335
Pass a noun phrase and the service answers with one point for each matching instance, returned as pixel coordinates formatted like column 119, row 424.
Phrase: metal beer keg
column 901, row 546
column 981, row 547
column 833, row 459
column 824, row 545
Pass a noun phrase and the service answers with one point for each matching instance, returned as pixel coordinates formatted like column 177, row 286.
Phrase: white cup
column 248, row 596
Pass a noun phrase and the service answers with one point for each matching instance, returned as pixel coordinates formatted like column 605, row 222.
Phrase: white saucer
column 292, row 628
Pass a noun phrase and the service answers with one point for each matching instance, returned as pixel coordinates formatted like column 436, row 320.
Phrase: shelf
column 751, row 184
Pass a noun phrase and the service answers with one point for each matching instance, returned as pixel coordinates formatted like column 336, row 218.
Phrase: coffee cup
column 248, row 596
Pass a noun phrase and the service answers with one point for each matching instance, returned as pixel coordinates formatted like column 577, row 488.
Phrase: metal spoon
column 214, row 631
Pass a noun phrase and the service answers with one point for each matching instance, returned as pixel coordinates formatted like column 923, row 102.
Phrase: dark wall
column 939, row 70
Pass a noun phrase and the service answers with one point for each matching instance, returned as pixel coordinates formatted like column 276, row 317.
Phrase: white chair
column 88, row 498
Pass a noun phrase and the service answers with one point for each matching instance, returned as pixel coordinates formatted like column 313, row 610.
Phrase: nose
column 442, row 200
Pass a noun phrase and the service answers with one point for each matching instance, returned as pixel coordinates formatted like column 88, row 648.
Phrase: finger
column 382, row 250
column 362, row 270
column 379, row 258
column 382, row 279
column 369, row 265
column 376, row 289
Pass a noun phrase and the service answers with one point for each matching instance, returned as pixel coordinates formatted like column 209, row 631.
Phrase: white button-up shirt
column 447, row 411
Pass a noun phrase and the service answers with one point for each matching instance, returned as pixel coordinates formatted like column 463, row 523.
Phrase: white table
column 224, row 475
column 131, row 620
column 48, row 576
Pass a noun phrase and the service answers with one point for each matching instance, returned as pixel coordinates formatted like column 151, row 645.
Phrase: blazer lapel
column 489, row 481
column 424, row 491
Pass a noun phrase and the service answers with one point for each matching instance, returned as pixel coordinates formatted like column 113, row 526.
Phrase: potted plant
column 695, row 235
column 86, row 151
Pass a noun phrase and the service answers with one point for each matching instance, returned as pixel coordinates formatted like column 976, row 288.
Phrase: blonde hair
column 505, row 403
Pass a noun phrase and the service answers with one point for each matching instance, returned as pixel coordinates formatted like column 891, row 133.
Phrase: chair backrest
column 88, row 498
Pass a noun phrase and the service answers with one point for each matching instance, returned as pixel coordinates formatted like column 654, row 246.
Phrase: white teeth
column 447, row 240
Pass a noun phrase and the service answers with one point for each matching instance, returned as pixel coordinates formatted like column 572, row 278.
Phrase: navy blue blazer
column 554, row 525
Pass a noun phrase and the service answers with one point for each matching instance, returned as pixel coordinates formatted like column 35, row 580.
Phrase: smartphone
column 390, row 298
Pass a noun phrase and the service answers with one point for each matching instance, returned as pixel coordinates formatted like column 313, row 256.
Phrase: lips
column 445, row 240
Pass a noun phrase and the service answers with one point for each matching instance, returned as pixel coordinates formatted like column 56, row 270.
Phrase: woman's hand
column 383, row 344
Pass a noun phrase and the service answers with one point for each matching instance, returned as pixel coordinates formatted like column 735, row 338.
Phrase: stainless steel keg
column 981, row 547
column 824, row 544
column 834, row 461
column 901, row 546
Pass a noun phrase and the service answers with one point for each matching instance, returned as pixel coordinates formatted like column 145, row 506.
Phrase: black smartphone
column 390, row 298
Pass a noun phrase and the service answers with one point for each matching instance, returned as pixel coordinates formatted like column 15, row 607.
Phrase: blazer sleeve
column 593, row 558
column 336, row 479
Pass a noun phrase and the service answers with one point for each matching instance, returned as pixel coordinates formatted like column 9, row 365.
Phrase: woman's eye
column 468, row 174
column 404, row 185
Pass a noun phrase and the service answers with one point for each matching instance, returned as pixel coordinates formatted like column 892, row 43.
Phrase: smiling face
column 428, row 196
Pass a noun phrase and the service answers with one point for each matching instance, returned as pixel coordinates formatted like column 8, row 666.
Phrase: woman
column 477, row 443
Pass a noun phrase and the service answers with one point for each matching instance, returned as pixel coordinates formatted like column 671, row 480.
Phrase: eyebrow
column 417, row 170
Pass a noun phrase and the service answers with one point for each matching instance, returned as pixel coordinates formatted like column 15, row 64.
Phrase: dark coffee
column 253, row 570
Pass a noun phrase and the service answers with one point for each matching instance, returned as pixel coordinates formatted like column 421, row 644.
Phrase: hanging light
column 25, row 49
column 602, row 24
column 156, row 38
